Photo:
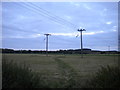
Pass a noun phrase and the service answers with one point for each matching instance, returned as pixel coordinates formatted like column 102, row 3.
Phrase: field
column 64, row 68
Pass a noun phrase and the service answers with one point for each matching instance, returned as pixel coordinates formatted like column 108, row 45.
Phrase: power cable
column 37, row 10
column 53, row 15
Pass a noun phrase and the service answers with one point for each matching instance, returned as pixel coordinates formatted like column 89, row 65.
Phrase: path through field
column 67, row 73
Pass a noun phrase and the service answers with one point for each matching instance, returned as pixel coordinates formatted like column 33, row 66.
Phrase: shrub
column 106, row 77
column 19, row 76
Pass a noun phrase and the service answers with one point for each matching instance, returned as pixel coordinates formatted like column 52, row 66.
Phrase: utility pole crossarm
column 47, row 34
column 81, row 30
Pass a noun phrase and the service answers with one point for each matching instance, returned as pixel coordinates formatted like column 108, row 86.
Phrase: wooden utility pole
column 47, row 43
column 80, row 30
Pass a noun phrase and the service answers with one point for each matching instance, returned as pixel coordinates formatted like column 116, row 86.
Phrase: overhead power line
column 53, row 15
column 47, row 14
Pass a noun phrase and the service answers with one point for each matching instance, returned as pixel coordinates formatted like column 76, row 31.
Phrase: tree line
column 69, row 51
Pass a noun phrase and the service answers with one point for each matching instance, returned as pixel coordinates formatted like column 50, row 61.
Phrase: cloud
column 104, row 9
column 103, row 12
column 109, row 22
column 24, row 36
column 75, row 4
column 64, row 34
column 76, row 33
column 93, row 33
column 115, row 26
column 69, row 18
column 36, row 35
column 87, row 7
column 114, row 29
column 90, row 33
column 21, row 17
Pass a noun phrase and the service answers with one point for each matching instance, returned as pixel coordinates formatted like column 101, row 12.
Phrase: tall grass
column 19, row 76
column 106, row 77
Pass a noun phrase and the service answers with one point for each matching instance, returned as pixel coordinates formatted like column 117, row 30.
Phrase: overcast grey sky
column 24, row 25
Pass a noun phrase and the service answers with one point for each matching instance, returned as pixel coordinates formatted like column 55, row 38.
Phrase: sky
column 25, row 23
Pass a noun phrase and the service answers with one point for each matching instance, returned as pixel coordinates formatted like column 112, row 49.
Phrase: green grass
column 64, row 70
column 19, row 76
column 105, row 77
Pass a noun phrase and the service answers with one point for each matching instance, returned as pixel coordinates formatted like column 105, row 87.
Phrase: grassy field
column 63, row 68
